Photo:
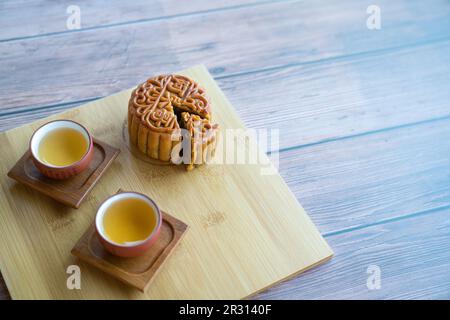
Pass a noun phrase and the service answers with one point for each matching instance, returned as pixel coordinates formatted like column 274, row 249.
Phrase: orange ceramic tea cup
column 53, row 129
column 128, row 224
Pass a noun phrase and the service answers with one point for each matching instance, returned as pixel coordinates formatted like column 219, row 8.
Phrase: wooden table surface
column 364, row 115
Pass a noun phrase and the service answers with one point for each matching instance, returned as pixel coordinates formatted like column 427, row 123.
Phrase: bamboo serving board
column 247, row 230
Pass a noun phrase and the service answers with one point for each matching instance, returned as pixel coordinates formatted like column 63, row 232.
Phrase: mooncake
column 163, row 105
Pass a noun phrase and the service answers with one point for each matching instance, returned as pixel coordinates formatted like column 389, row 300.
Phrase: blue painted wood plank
column 412, row 256
column 329, row 99
column 48, row 18
column 352, row 182
column 89, row 64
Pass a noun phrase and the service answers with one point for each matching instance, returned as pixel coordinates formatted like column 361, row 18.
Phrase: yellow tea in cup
column 62, row 147
column 129, row 220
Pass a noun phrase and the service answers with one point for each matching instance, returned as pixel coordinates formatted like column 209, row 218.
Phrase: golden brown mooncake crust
column 154, row 112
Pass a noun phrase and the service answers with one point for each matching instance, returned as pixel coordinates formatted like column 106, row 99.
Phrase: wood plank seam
column 346, row 137
column 365, row 133
column 386, row 221
column 338, row 58
column 345, row 276
column 51, row 106
column 150, row 20
column 256, row 71
column 220, row 68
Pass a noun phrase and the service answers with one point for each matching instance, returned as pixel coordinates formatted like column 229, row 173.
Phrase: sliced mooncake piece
column 155, row 110
column 203, row 136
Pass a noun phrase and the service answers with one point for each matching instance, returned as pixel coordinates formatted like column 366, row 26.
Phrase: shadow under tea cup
column 61, row 149
column 128, row 224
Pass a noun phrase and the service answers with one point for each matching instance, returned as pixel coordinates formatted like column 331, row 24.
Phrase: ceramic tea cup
column 128, row 224
column 61, row 140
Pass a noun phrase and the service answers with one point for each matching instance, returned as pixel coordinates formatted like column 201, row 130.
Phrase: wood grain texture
column 228, row 220
column 344, row 97
column 96, row 14
column 114, row 59
column 372, row 178
column 349, row 96
column 332, row 99
column 412, row 255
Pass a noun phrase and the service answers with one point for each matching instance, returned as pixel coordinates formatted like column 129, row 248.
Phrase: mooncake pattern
column 155, row 110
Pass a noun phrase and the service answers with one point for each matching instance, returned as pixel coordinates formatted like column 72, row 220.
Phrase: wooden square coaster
column 70, row 191
column 139, row 271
